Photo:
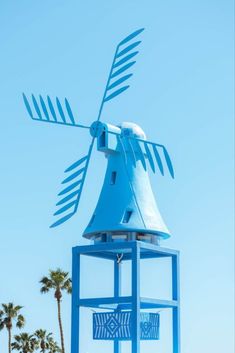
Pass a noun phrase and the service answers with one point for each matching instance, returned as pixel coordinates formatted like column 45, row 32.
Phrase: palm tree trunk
column 9, row 340
column 60, row 325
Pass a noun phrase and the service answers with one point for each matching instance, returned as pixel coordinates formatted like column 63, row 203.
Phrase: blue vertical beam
column 176, row 310
column 117, row 293
column 75, row 300
column 136, row 298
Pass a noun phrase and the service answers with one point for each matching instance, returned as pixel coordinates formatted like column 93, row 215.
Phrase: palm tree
column 46, row 342
column 58, row 281
column 53, row 346
column 9, row 314
column 1, row 321
column 25, row 343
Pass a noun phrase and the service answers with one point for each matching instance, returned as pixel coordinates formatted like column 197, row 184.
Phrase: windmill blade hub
column 97, row 128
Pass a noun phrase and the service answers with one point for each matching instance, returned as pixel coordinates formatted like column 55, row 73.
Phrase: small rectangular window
column 127, row 216
column 113, row 178
column 102, row 140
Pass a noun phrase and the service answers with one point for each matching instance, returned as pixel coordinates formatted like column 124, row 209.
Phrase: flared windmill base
column 126, row 317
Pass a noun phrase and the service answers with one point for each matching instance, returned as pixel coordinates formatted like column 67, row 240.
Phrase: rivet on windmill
column 126, row 184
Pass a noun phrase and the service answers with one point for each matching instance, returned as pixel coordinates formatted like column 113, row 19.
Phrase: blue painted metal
column 46, row 111
column 132, row 306
column 117, row 292
column 136, row 298
column 116, row 326
column 127, row 184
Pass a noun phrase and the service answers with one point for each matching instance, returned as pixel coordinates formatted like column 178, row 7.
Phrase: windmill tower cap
column 126, row 205
column 132, row 129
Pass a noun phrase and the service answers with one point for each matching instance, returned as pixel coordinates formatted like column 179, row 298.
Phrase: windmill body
column 126, row 225
column 126, row 208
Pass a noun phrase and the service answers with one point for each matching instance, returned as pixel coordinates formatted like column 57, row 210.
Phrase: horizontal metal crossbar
column 125, row 303
column 109, row 251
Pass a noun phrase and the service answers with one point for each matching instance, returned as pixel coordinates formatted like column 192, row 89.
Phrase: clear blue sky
column 181, row 95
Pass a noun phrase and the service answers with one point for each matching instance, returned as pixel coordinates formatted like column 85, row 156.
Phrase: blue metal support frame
column 134, row 251
column 117, row 294
column 136, row 298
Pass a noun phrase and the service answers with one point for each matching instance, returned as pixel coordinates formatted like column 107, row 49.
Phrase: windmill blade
column 46, row 111
column 155, row 147
column 127, row 49
column 152, row 154
column 136, row 146
column 74, row 182
column 158, row 159
column 71, row 194
column 149, row 156
column 131, row 150
column 122, row 148
column 168, row 162
column 121, row 63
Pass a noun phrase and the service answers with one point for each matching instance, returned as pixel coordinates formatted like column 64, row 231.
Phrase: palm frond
column 20, row 321
column 44, row 290
column 67, row 285
column 47, row 284
column 59, row 280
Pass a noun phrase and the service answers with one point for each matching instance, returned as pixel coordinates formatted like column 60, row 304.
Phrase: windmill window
column 113, row 178
column 102, row 140
column 127, row 216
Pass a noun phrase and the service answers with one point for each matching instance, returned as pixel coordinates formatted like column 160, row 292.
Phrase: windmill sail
column 152, row 152
column 44, row 110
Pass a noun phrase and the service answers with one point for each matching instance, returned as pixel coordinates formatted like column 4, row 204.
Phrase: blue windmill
column 126, row 215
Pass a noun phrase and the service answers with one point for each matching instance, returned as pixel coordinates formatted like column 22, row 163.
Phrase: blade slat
column 53, row 113
column 158, row 159
column 131, row 36
column 150, row 158
column 68, row 197
column 132, row 152
column 70, row 187
column 59, row 106
column 127, row 49
column 65, row 208
column 69, row 110
column 125, row 59
column 116, row 93
column 36, row 107
column 140, row 153
column 44, row 108
column 168, row 162
column 119, row 81
column 76, row 164
column 122, row 69
column 73, row 176
column 62, row 220
column 27, row 105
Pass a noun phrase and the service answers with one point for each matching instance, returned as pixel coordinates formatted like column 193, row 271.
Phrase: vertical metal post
column 176, row 311
column 136, row 298
column 117, row 293
column 75, row 301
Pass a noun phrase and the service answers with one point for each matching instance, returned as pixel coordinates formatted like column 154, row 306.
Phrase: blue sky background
column 181, row 95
